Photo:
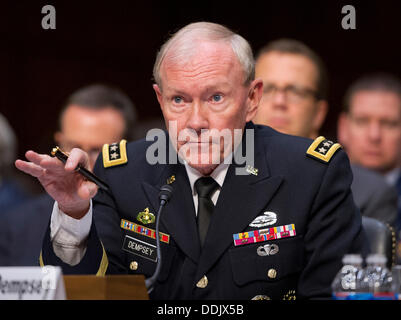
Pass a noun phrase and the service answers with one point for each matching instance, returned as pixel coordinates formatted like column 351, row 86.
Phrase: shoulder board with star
column 115, row 154
column 322, row 149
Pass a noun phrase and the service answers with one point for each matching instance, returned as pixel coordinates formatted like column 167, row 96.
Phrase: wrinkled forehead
column 201, row 58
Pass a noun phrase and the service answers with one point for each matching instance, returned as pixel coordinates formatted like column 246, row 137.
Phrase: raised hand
column 70, row 189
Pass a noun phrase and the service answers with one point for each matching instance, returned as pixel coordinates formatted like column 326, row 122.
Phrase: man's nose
column 374, row 132
column 198, row 117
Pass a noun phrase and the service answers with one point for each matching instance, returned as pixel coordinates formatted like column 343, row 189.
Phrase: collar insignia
column 252, row 170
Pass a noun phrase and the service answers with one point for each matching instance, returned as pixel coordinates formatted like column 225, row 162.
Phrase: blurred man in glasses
column 294, row 88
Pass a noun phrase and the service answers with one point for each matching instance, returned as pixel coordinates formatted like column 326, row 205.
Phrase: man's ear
column 254, row 96
column 158, row 94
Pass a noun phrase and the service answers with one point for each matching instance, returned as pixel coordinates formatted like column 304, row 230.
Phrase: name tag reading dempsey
column 31, row 283
column 140, row 248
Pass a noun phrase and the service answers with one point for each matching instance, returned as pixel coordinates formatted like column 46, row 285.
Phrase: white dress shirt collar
column 218, row 174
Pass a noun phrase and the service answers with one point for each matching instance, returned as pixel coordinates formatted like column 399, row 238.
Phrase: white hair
column 183, row 43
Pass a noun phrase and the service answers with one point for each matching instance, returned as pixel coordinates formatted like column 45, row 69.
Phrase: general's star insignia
column 115, row 154
column 322, row 149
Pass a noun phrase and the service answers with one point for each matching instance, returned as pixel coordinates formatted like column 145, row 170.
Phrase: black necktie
column 205, row 187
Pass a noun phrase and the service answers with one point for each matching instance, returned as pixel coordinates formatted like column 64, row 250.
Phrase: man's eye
column 178, row 100
column 217, row 97
column 389, row 124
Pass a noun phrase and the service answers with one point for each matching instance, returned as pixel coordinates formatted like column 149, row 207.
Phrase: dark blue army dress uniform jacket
column 299, row 203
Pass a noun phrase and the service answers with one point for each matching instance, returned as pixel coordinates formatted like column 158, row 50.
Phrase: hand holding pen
column 62, row 156
column 71, row 189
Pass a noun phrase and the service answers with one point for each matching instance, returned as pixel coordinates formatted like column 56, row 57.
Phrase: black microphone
column 165, row 195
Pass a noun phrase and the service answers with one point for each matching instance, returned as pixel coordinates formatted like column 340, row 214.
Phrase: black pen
column 59, row 154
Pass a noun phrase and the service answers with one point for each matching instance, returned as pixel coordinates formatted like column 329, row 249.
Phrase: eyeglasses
column 291, row 93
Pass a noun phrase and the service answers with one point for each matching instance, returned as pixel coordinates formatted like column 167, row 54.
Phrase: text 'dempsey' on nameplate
column 140, row 248
column 31, row 283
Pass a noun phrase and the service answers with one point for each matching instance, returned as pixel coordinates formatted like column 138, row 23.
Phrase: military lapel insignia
column 252, row 170
column 267, row 219
column 145, row 216
column 322, row 149
column 171, row 179
column 263, row 235
column 115, row 154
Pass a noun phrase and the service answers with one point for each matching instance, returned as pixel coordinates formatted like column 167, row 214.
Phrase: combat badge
column 145, row 216
column 322, row 149
column 115, row 154
column 268, row 218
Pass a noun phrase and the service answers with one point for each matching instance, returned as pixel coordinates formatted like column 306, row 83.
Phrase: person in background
column 295, row 85
column 12, row 190
column 91, row 117
column 369, row 127
column 294, row 101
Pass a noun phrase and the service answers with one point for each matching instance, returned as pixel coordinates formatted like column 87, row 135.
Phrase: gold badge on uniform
column 145, row 216
column 203, row 282
column 171, row 179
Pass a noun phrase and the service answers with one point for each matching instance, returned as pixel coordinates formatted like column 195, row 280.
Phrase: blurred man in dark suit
column 370, row 127
column 294, row 101
column 92, row 116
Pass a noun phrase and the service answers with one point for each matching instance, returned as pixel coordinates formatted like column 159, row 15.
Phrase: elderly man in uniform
column 277, row 232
